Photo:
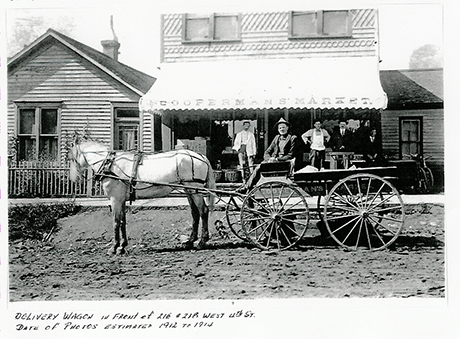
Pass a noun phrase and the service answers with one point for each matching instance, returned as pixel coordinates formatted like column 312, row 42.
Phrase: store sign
column 262, row 103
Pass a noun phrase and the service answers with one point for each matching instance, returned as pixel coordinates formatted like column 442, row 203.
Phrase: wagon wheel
column 274, row 215
column 232, row 213
column 364, row 210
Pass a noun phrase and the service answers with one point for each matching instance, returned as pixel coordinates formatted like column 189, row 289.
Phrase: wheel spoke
column 266, row 200
column 341, row 199
column 259, row 226
column 349, row 233
column 343, row 216
column 293, row 213
column 293, row 221
column 288, row 240
column 383, row 217
column 359, row 234
column 390, row 208
column 383, row 226
column 291, row 207
column 281, row 193
column 376, row 194
column 255, row 219
column 343, row 208
column 287, row 199
column 368, row 189
column 378, row 236
column 381, row 202
column 254, row 200
column 359, row 192
column 255, row 211
column 346, row 224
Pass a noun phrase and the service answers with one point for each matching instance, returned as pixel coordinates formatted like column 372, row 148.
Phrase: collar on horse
column 106, row 171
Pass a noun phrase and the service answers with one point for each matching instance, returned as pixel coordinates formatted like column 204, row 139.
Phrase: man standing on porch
column 317, row 137
column 245, row 145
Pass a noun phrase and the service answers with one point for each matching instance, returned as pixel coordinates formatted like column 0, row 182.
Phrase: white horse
column 120, row 169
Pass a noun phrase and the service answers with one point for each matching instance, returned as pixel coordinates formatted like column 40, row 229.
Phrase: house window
column 38, row 133
column 211, row 28
column 126, row 128
column 320, row 24
column 410, row 138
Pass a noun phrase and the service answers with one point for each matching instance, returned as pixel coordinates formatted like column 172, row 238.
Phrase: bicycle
column 424, row 174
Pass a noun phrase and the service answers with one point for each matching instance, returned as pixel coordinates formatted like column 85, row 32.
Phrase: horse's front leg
column 124, row 238
column 118, row 221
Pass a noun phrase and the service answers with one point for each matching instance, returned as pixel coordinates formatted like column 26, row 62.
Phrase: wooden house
column 57, row 85
column 413, row 122
column 220, row 68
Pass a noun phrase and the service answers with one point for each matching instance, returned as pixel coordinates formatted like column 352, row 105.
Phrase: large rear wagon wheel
column 364, row 211
column 274, row 215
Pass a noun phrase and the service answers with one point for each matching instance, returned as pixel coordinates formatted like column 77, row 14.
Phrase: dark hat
column 282, row 121
column 246, row 122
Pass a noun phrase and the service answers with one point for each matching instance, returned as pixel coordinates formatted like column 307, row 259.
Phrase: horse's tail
column 210, row 183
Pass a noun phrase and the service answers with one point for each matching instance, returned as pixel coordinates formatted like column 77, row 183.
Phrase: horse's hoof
column 188, row 245
column 120, row 251
column 112, row 251
column 201, row 245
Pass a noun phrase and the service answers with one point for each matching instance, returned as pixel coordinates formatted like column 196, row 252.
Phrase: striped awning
column 346, row 82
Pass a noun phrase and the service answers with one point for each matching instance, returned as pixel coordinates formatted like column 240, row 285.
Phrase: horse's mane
column 90, row 143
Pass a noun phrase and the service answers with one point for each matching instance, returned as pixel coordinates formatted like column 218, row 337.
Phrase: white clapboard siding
column 86, row 93
column 266, row 34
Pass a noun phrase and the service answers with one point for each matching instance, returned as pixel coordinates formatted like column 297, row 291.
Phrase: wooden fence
column 48, row 179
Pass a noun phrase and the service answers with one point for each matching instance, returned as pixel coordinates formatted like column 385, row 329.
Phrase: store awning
column 346, row 82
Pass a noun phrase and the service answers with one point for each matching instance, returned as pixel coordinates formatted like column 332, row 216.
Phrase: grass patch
column 37, row 221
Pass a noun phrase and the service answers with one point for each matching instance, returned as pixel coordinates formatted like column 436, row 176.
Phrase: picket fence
column 47, row 180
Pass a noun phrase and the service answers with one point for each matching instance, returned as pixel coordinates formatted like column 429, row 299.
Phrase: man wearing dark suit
column 341, row 138
column 372, row 149
column 283, row 148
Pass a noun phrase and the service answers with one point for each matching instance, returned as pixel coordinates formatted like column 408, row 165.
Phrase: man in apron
column 317, row 138
column 245, row 145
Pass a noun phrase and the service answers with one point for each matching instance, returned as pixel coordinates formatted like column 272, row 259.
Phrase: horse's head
column 77, row 161
column 84, row 154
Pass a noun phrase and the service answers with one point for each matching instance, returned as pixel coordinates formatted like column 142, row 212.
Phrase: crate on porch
column 232, row 175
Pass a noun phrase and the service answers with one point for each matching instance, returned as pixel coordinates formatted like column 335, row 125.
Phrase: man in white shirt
column 245, row 145
column 317, row 137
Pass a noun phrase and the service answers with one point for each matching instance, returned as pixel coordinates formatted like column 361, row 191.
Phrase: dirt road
column 74, row 264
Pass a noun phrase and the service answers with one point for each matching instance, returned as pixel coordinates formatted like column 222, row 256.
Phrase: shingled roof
column 137, row 79
column 404, row 93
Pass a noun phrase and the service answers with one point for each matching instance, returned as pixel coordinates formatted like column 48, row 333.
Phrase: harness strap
column 105, row 166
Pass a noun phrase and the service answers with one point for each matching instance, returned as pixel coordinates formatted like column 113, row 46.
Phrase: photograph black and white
column 226, row 156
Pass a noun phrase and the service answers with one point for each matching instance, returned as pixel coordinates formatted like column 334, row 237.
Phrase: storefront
column 205, row 102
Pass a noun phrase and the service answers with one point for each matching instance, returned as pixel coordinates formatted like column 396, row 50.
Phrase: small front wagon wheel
column 232, row 214
column 274, row 215
column 364, row 211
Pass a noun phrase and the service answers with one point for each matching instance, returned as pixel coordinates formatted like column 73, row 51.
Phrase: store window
column 126, row 128
column 410, row 137
column 320, row 24
column 211, row 28
column 37, row 133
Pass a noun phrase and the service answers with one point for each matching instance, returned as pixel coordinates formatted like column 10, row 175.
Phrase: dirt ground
column 74, row 264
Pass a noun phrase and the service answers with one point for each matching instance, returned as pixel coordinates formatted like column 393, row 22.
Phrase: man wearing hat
column 245, row 145
column 282, row 148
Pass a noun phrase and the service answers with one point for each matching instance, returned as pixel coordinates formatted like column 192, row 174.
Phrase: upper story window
column 37, row 132
column 320, row 24
column 211, row 28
